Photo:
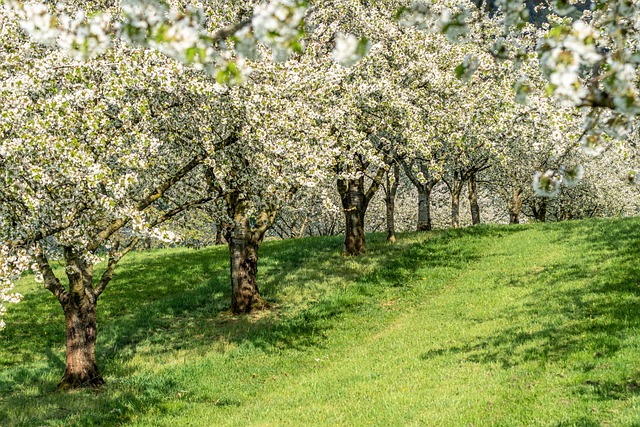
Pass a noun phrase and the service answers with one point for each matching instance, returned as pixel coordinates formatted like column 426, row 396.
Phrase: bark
column 539, row 211
column 245, row 295
column 354, row 203
column 515, row 206
column 473, row 199
column 390, row 202
column 424, row 194
column 81, row 369
column 244, row 238
column 79, row 304
column 220, row 240
column 424, row 208
column 456, row 190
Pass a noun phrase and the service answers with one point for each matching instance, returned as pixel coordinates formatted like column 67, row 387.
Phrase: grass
column 487, row 326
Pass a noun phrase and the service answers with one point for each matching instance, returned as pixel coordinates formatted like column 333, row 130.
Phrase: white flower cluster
column 82, row 38
column 592, row 143
column 141, row 18
column 515, row 13
column 181, row 35
column 35, row 19
column 453, row 23
column 468, row 67
column 166, row 236
column 523, row 88
column 564, row 58
column 419, row 15
column 278, row 26
column 547, row 184
column 622, row 85
column 12, row 265
column 349, row 49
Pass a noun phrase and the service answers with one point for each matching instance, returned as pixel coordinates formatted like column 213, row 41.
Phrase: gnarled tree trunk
column 79, row 304
column 80, row 317
column 80, row 368
column 244, row 238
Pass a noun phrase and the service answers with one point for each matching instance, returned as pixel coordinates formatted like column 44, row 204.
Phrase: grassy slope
column 526, row 325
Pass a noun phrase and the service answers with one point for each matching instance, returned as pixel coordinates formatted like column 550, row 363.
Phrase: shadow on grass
column 584, row 311
column 163, row 302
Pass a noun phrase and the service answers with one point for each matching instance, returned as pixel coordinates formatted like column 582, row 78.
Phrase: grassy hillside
column 488, row 326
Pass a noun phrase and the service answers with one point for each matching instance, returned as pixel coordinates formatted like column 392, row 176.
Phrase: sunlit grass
column 525, row 325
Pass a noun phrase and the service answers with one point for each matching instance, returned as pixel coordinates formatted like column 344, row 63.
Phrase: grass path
column 491, row 326
column 471, row 351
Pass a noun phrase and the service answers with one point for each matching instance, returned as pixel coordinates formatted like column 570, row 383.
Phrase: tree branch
column 377, row 181
column 156, row 193
column 114, row 258
column 223, row 33
column 51, row 282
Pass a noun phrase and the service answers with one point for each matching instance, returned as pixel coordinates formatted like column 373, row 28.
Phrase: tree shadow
column 163, row 302
column 588, row 304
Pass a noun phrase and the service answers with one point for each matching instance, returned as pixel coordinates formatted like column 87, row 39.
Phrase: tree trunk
column 515, row 206
column 540, row 211
column 456, row 189
column 354, row 204
column 473, row 200
column 244, row 238
column 390, row 202
column 424, row 192
column 81, row 369
column 455, row 210
column 79, row 304
column 424, row 207
column 245, row 295
column 219, row 234
column 354, row 240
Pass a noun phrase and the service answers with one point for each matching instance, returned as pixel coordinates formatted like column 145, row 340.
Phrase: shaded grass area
column 525, row 325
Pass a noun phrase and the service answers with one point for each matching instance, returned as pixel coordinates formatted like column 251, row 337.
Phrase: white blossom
column 547, row 184
column 349, row 49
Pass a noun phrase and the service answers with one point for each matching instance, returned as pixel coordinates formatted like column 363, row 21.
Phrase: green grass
column 487, row 326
